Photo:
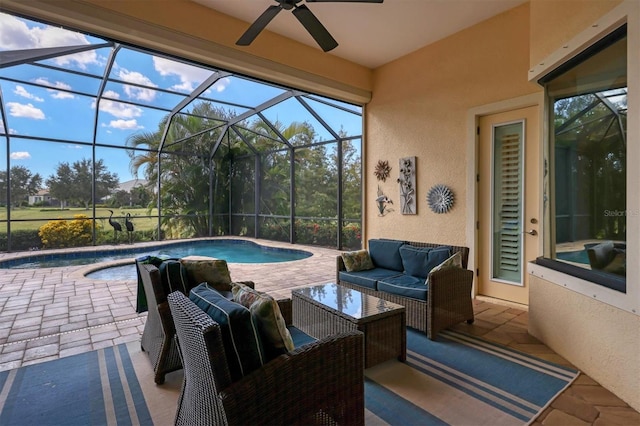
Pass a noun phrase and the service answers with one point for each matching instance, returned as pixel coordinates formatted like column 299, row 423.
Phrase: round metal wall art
column 440, row 198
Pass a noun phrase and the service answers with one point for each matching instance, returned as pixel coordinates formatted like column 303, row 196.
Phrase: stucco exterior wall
column 419, row 108
column 554, row 23
column 599, row 339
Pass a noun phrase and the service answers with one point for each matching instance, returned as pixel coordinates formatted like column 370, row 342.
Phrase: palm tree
column 185, row 167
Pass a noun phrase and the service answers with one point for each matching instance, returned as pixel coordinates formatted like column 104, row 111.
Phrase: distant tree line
column 70, row 184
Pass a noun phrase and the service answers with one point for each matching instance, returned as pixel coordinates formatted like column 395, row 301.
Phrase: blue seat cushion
column 368, row 278
column 385, row 254
column 240, row 332
column 404, row 285
column 299, row 337
column 419, row 261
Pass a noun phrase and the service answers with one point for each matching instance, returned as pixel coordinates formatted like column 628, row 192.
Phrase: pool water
column 578, row 256
column 233, row 251
column 124, row 272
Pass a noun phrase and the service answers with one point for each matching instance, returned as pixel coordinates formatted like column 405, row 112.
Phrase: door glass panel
column 507, row 202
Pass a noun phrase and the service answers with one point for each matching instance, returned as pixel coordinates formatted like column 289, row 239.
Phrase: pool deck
column 51, row 313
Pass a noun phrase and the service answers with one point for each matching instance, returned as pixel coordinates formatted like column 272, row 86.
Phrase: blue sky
column 46, row 103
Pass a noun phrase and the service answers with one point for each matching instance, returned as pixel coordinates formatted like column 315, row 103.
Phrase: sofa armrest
column 330, row 369
column 286, row 309
column 449, row 299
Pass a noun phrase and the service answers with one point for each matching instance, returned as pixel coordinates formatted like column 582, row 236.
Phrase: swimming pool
column 233, row 251
column 577, row 256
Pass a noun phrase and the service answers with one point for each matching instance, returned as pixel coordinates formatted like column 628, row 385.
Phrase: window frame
column 628, row 13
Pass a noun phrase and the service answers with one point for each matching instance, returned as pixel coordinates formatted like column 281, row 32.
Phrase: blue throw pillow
column 240, row 334
column 419, row 261
column 174, row 277
column 386, row 254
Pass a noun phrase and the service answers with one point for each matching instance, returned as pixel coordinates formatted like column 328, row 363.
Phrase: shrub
column 68, row 233
column 27, row 239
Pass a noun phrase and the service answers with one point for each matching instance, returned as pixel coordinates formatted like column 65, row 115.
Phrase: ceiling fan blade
column 315, row 28
column 259, row 24
column 345, row 1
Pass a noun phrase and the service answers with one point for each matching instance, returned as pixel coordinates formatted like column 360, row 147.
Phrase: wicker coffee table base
column 385, row 335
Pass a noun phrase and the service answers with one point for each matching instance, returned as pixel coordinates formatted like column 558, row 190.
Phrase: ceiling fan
column 304, row 15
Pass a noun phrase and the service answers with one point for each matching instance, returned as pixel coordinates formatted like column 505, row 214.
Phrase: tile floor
column 55, row 312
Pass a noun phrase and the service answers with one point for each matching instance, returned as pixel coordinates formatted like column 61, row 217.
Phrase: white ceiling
column 373, row 34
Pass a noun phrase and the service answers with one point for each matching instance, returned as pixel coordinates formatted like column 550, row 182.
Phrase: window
column 588, row 163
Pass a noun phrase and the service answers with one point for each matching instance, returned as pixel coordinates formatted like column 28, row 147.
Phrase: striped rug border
column 114, row 394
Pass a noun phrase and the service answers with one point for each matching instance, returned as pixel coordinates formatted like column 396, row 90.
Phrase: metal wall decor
column 382, row 201
column 407, row 181
column 440, row 198
column 382, row 170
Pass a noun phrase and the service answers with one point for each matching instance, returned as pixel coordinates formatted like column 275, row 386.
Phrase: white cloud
column 56, row 94
column 117, row 109
column 27, row 111
column 2, row 130
column 15, row 34
column 21, row 91
column 20, row 155
column 221, row 84
column 125, row 124
column 190, row 76
column 61, row 95
column 135, row 92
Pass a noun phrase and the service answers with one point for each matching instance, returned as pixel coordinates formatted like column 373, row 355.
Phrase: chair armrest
column 286, row 309
column 320, row 380
column 166, row 319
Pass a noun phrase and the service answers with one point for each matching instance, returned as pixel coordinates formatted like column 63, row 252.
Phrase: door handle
column 531, row 232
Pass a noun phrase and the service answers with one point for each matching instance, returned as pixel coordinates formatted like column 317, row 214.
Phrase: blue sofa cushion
column 404, row 285
column 386, row 254
column 240, row 333
column 368, row 278
column 418, row 261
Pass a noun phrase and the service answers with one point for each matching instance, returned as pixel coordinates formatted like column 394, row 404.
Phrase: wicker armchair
column 318, row 383
column 448, row 301
column 158, row 337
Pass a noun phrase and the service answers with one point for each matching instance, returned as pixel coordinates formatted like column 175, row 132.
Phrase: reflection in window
column 589, row 152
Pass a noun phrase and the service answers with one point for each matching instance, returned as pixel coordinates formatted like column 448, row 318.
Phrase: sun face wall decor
column 407, row 181
column 440, row 198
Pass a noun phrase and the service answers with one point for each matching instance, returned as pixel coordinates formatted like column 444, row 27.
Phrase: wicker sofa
column 321, row 382
column 446, row 299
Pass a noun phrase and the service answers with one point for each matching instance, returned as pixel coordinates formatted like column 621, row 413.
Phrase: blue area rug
column 459, row 379
column 456, row 380
column 92, row 388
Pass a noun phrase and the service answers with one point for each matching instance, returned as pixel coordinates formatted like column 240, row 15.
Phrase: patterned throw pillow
column 455, row 261
column 214, row 272
column 276, row 339
column 359, row 260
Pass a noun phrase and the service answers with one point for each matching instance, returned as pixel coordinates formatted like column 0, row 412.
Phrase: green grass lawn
column 41, row 216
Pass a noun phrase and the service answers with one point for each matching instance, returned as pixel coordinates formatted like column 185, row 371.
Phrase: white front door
column 508, row 194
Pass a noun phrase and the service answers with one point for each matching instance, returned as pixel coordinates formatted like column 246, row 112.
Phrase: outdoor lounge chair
column 158, row 337
column 318, row 383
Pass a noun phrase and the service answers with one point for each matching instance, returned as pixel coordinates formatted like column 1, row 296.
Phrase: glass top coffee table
column 327, row 309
